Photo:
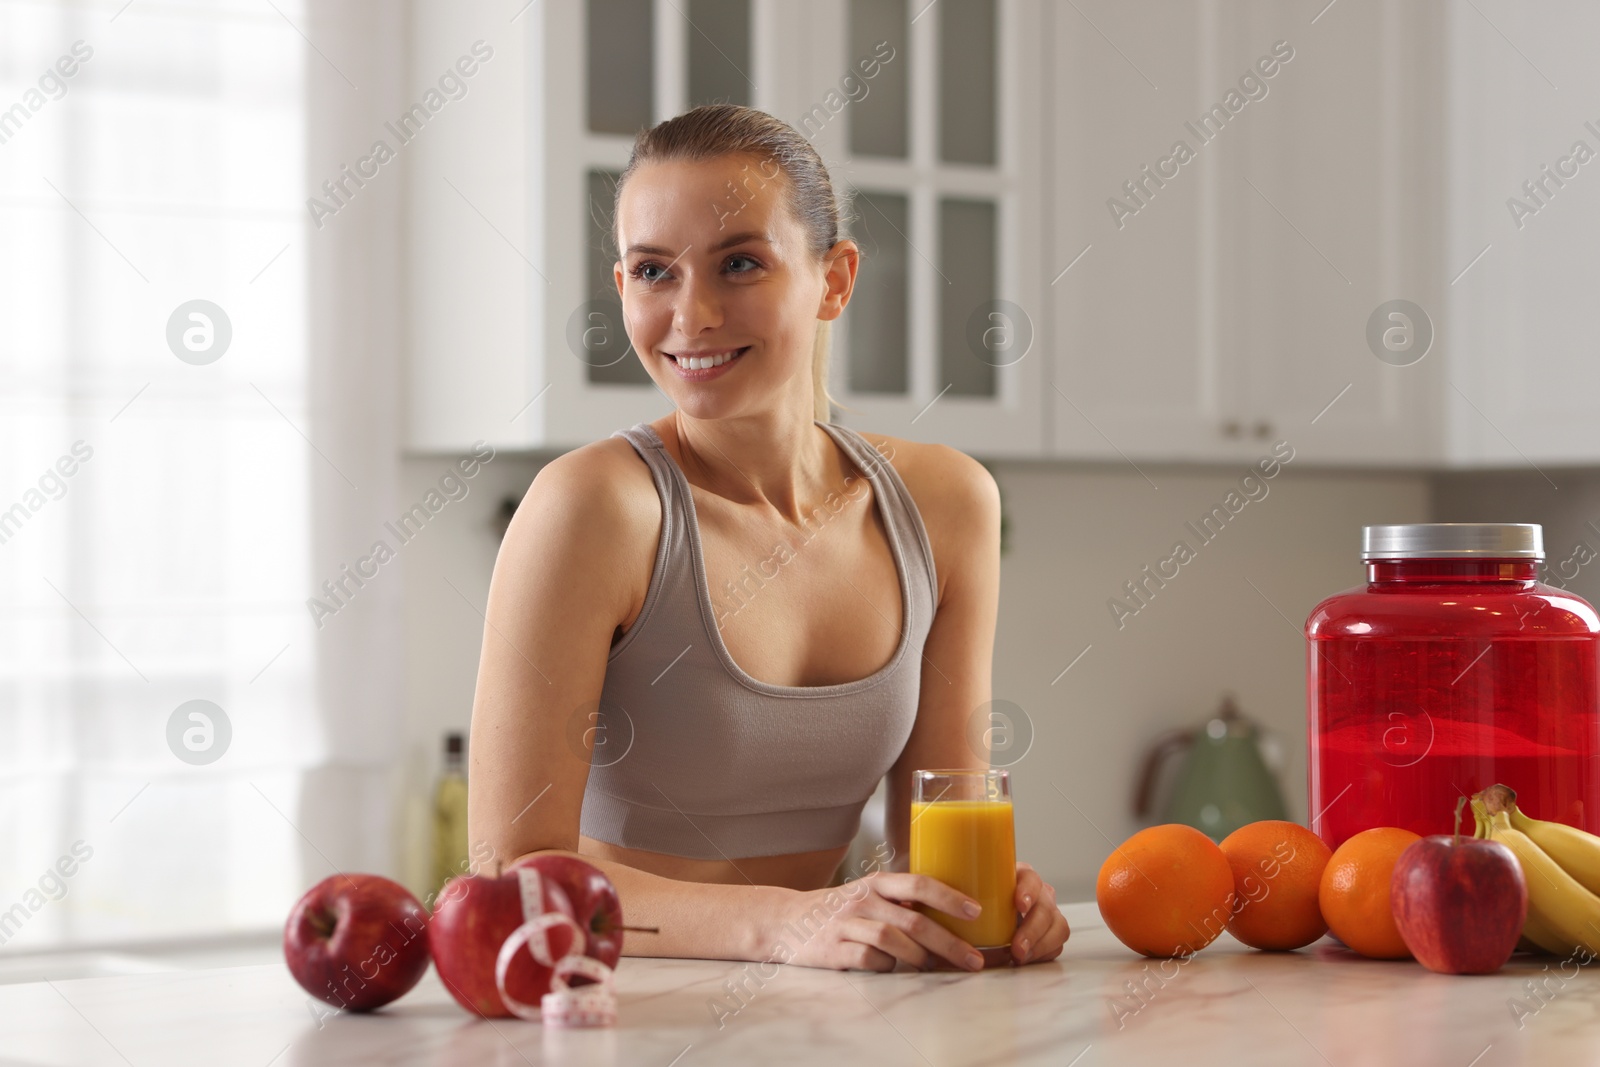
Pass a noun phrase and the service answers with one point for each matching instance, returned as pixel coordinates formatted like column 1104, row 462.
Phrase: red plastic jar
column 1452, row 669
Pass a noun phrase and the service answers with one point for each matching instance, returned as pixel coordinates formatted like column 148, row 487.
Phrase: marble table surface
column 1227, row 1005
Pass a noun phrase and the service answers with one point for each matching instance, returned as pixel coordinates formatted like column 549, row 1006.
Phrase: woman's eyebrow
column 727, row 242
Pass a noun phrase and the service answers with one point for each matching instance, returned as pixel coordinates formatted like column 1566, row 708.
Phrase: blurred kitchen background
column 1120, row 329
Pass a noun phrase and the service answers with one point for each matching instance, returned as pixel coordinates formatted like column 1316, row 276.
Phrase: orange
column 1277, row 872
column 1354, row 894
column 1166, row 891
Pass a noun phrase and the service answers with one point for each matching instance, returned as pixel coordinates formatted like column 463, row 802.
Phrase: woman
column 710, row 636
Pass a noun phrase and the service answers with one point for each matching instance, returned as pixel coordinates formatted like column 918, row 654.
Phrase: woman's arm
column 960, row 505
column 563, row 582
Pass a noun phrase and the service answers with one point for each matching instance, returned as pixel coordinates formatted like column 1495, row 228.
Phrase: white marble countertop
column 1228, row 1005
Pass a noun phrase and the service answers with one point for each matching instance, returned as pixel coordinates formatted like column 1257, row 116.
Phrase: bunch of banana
column 1561, row 865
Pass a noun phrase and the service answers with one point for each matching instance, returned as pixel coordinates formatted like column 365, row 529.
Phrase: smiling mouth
column 707, row 362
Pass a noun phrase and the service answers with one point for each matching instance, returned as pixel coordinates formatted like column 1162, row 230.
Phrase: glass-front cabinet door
column 926, row 116
column 606, row 69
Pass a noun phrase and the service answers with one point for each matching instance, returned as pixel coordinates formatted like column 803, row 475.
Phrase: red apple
column 1459, row 903
column 357, row 941
column 595, row 904
column 472, row 919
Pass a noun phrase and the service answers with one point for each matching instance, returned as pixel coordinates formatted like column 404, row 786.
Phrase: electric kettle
column 1224, row 782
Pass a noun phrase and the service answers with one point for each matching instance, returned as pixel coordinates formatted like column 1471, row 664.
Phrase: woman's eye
column 639, row 271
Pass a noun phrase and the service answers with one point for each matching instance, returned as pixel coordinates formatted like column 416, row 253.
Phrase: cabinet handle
column 1231, row 428
column 1263, row 429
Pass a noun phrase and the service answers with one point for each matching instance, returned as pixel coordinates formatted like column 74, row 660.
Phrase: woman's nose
column 698, row 308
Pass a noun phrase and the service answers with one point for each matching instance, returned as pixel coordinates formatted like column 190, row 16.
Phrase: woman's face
column 714, row 264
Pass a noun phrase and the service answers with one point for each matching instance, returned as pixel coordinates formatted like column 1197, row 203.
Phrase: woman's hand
column 1043, row 929
column 869, row 924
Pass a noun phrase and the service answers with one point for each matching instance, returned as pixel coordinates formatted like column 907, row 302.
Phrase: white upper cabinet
column 1333, row 210
column 469, row 262
column 1241, row 204
column 1131, row 325
column 1090, row 230
column 1523, row 134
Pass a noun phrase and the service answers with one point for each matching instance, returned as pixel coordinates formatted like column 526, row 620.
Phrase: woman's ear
column 839, row 278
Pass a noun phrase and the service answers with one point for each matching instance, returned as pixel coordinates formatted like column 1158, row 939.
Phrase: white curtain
column 207, row 500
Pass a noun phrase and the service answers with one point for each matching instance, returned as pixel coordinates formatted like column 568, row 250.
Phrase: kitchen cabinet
column 1521, row 218
column 1333, row 189
column 1135, row 356
column 470, row 272
column 516, row 333
column 1233, row 246
column 1044, row 274
column 941, row 155
column 929, row 116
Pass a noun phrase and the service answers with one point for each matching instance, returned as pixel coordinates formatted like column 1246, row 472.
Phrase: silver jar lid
column 1433, row 540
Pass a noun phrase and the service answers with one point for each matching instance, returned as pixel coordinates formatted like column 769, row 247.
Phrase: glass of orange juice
column 962, row 833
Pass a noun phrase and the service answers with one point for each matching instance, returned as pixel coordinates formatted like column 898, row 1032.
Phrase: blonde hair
column 714, row 130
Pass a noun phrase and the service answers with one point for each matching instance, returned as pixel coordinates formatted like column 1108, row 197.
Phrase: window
column 154, row 500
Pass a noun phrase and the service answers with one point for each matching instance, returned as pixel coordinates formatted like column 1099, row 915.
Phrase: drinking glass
column 963, row 834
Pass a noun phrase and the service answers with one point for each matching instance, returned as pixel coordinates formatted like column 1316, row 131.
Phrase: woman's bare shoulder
column 602, row 480
column 594, row 507
column 939, row 477
column 955, row 495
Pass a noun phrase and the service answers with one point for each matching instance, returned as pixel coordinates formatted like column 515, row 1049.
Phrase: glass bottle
column 450, row 814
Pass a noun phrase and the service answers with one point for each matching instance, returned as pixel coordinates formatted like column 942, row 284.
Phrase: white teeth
column 706, row 362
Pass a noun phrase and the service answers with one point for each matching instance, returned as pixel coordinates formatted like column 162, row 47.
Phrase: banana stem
column 1498, row 798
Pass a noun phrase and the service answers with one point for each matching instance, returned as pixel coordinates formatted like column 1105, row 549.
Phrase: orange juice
column 970, row 845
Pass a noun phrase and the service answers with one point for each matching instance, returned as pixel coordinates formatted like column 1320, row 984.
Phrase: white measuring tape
column 586, row 1005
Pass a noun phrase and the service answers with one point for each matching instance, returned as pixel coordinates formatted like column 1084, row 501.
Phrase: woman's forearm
column 696, row 920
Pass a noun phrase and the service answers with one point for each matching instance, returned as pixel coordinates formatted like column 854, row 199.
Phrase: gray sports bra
column 701, row 760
